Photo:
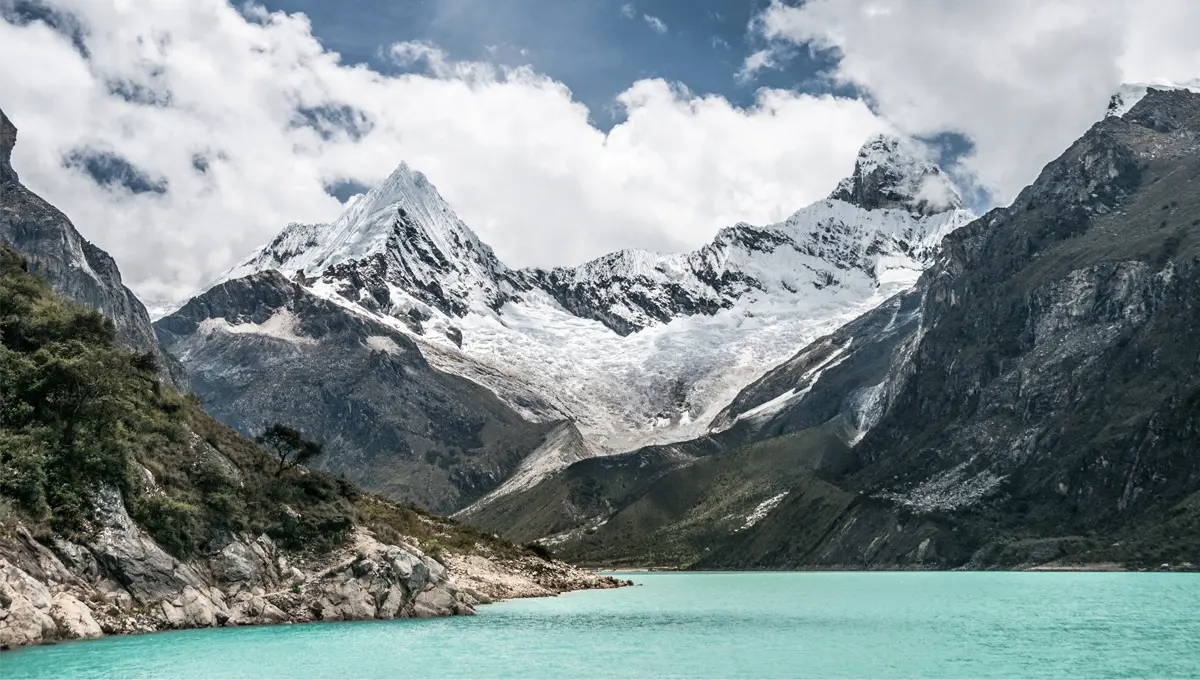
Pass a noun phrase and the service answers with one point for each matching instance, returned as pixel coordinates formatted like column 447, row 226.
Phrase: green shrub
column 178, row 527
column 22, row 471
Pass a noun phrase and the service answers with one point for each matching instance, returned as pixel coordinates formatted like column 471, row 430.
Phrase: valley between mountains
column 883, row 380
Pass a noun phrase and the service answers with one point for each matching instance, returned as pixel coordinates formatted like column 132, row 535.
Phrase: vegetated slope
column 73, row 266
column 1043, row 407
column 635, row 348
column 262, row 349
column 125, row 508
column 684, row 512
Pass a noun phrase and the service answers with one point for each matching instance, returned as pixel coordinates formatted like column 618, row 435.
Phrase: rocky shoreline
column 117, row 580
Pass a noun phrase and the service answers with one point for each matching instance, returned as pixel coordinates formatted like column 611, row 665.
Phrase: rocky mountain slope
column 125, row 508
column 1034, row 401
column 262, row 349
column 630, row 349
column 73, row 265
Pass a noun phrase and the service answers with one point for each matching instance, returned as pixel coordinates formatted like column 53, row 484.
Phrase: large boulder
column 73, row 618
column 24, row 608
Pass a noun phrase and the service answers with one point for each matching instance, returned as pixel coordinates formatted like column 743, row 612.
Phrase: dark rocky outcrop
column 8, row 139
column 888, row 175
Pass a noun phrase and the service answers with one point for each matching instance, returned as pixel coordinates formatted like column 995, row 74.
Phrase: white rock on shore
column 120, row 581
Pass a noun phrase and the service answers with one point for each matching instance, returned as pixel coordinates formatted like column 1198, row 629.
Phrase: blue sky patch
column 598, row 48
column 344, row 189
column 333, row 119
column 112, row 170
column 24, row 12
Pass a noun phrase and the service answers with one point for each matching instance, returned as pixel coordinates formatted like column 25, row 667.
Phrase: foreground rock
column 119, row 580
column 498, row 579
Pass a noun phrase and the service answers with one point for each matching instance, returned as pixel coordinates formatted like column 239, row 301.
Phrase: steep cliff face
column 8, row 139
column 262, row 349
column 74, row 266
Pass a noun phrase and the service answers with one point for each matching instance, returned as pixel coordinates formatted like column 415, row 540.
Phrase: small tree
column 288, row 444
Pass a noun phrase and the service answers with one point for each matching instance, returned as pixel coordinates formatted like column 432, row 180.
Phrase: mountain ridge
column 426, row 273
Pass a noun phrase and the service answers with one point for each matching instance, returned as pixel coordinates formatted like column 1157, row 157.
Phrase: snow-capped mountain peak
column 891, row 172
column 399, row 249
column 882, row 223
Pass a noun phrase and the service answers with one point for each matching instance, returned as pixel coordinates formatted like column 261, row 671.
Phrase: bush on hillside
column 78, row 413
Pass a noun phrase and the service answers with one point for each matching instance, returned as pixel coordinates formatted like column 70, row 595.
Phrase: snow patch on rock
column 382, row 343
column 950, row 490
column 282, row 325
column 762, row 510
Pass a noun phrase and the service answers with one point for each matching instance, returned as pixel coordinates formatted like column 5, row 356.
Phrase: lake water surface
column 713, row 626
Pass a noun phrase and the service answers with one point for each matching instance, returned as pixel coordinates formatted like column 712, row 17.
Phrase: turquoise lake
column 760, row 625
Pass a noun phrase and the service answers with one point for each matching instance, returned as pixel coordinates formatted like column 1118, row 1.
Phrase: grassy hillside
column 78, row 413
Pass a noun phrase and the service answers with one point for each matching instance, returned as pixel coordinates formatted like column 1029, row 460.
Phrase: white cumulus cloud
column 1020, row 78
column 245, row 119
column 754, row 63
column 657, row 25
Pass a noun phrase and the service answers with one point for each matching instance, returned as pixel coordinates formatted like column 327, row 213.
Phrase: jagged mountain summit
column 634, row 347
column 399, row 250
column 890, row 173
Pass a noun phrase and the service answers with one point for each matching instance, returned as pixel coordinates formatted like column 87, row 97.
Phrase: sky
column 179, row 135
